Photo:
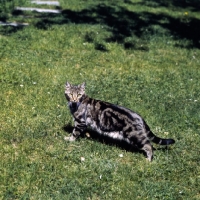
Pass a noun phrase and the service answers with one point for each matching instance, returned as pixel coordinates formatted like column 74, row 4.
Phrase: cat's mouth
column 74, row 104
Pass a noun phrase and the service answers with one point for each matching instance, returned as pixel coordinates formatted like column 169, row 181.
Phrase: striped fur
column 111, row 120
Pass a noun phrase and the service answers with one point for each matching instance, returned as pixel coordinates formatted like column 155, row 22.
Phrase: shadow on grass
column 124, row 24
column 8, row 30
column 103, row 139
column 191, row 5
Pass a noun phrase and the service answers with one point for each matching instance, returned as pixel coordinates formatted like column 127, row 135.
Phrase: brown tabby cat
column 111, row 120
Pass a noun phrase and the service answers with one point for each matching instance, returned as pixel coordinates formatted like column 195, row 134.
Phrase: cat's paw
column 70, row 139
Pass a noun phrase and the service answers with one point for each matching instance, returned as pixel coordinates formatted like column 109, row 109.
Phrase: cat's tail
column 158, row 140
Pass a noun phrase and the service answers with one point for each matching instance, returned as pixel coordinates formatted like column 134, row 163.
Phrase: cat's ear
column 67, row 84
column 83, row 85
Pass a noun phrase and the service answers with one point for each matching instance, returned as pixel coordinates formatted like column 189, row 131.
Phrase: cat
column 108, row 119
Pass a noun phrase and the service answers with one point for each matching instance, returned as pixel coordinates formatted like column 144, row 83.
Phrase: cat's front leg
column 75, row 134
column 78, row 129
column 70, row 138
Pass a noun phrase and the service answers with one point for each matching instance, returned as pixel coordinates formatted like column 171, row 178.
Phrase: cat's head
column 74, row 93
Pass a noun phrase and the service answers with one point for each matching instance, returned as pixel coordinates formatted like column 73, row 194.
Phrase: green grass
column 140, row 54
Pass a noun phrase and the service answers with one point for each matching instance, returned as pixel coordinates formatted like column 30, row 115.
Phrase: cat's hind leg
column 147, row 147
column 142, row 143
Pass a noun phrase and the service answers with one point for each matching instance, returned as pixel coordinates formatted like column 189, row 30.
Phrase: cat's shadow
column 90, row 134
column 109, row 141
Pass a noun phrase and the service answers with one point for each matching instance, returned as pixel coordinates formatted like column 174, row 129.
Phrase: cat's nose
column 74, row 99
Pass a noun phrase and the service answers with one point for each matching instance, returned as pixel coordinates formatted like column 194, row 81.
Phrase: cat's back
column 103, row 107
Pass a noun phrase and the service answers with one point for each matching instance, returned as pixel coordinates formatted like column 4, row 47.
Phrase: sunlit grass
column 155, row 73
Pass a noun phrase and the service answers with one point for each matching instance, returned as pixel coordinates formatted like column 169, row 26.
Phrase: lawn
column 144, row 55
